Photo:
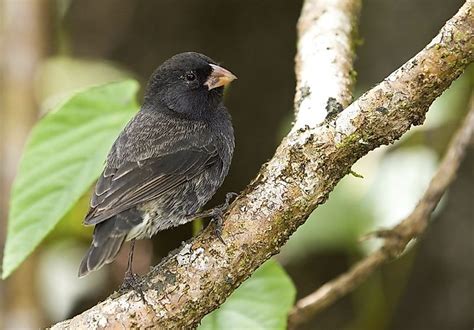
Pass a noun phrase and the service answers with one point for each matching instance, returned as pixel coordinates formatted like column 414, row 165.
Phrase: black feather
column 107, row 240
column 167, row 162
column 145, row 181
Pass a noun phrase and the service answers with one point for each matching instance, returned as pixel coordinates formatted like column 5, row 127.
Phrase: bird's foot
column 221, row 209
column 217, row 214
column 217, row 221
column 132, row 281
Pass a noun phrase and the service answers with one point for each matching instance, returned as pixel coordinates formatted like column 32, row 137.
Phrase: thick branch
column 198, row 277
column 324, row 59
column 397, row 238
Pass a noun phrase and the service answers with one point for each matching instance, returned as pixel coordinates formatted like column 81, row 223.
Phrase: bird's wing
column 132, row 183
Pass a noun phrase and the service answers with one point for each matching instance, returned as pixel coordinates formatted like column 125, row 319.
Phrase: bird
column 166, row 163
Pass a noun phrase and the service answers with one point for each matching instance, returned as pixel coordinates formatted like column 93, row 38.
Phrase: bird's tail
column 104, row 248
column 109, row 236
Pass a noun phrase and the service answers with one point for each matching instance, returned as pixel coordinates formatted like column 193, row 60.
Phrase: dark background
column 77, row 43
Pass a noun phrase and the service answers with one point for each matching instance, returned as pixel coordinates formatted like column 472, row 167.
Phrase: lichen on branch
column 305, row 168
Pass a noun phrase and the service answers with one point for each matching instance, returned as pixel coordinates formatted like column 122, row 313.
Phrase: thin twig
column 397, row 238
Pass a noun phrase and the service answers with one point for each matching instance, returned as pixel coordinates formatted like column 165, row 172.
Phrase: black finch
column 167, row 162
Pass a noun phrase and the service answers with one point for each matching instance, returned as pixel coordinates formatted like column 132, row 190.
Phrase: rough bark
column 397, row 238
column 326, row 40
column 195, row 279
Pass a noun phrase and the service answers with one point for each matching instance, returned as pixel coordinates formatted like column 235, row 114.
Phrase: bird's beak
column 219, row 77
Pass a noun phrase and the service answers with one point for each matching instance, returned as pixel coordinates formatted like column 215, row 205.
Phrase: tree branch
column 326, row 29
column 397, row 238
column 196, row 278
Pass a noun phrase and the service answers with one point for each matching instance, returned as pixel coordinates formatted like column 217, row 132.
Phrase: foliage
column 261, row 302
column 64, row 155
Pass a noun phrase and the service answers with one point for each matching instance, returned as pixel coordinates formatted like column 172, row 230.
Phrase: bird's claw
column 229, row 196
column 218, row 216
column 132, row 281
column 217, row 220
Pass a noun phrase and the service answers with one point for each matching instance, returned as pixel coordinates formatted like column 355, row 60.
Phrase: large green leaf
column 64, row 154
column 261, row 302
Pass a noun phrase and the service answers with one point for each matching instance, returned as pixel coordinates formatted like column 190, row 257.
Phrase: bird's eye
column 190, row 76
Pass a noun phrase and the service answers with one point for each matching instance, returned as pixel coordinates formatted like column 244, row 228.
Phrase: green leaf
column 261, row 302
column 64, row 155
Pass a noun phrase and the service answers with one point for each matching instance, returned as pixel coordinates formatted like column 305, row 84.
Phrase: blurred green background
column 49, row 49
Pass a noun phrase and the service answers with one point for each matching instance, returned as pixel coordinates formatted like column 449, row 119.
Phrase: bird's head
column 190, row 84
